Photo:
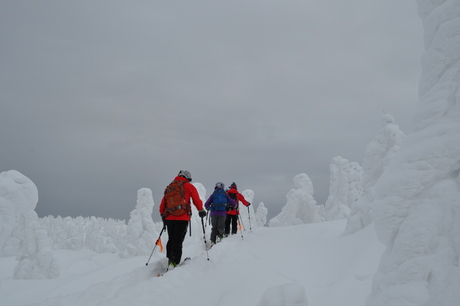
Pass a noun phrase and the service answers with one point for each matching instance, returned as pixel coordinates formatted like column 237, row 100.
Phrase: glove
column 202, row 213
column 249, row 204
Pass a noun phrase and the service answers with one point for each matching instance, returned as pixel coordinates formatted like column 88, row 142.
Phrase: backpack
column 232, row 195
column 174, row 199
column 219, row 201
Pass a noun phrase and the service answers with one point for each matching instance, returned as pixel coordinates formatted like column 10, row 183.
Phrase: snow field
column 310, row 264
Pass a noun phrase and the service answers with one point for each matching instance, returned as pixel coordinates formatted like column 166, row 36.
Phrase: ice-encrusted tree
column 247, row 212
column 416, row 210
column 195, row 221
column 141, row 231
column 261, row 215
column 345, row 188
column 300, row 207
column 21, row 234
column 377, row 156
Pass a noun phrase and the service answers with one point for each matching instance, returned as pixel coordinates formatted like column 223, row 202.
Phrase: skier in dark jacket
column 217, row 204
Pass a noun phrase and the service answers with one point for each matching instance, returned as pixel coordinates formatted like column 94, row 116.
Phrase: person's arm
column 242, row 199
column 195, row 196
column 209, row 201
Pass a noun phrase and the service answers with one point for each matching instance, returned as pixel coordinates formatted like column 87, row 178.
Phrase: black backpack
column 232, row 195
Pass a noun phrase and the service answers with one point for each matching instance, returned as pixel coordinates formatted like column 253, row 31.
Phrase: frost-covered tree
column 201, row 190
column 141, row 232
column 35, row 254
column 261, row 215
column 320, row 215
column 377, row 156
column 300, row 207
column 21, row 233
column 195, row 228
column 345, row 188
column 97, row 234
column 247, row 212
column 416, row 210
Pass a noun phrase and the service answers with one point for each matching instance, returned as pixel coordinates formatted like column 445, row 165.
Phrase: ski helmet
column 185, row 174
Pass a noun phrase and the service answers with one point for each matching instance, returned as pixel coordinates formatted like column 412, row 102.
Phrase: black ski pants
column 233, row 221
column 177, row 229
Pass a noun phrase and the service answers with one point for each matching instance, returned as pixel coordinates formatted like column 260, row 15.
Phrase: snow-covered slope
column 311, row 262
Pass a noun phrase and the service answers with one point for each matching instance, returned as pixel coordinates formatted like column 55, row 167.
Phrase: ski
column 180, row 264
column 210, row 246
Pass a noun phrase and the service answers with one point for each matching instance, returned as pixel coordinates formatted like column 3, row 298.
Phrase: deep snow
column 314, row 260
column 408, row 254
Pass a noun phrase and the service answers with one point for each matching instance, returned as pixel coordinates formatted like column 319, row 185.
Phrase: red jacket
column 239, row 197
column 190, row 192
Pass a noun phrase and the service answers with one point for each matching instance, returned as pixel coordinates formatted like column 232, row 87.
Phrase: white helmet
column 220, row 185
column 185, row 174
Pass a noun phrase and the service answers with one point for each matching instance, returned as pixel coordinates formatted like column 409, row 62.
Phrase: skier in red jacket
column 177, row 224
column 232, row 215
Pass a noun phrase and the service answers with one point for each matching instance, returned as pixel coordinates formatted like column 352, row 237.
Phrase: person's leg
column 176, row 239
column 234, row 224
column 221, row 226
column 214, row 221
column 170, row 230
column 227, row 224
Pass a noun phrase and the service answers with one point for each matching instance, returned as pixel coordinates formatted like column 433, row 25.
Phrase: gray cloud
column 99, row 99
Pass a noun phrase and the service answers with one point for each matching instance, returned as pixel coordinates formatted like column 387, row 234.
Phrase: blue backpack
column 219, row 201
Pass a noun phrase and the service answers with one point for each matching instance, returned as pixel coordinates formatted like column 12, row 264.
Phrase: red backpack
column 175, row 203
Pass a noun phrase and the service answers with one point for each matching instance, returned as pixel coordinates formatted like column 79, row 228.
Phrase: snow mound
column 291, row 294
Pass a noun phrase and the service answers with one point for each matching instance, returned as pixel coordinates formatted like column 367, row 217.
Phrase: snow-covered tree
column 345, row 188
column 21, row 233
column 300, row 207
column 35, row 254
column 416, row 210
column 377, row 156
column 141, row 232
column 97, row 234
column 195, row 229
column 261, row 215
column 247, row 212
column 201, row 190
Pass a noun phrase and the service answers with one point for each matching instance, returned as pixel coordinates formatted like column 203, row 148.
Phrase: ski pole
column 239, row 222
column 204, row 238
column 156, row 243
column 238, row 212
column 249, row 215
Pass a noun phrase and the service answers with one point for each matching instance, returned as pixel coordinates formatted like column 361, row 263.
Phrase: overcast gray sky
column 101, row 98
